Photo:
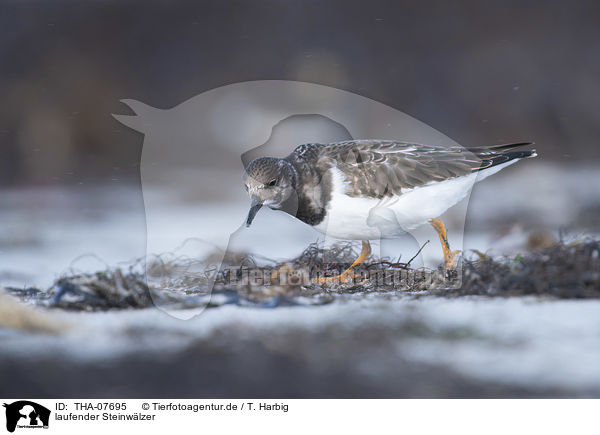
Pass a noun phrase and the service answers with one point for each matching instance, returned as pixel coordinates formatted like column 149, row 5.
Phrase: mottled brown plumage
column 382, row 168
column 339, row 188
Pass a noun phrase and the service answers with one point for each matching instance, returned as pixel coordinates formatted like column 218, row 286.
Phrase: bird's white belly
column 347, row 219
column 354, row 218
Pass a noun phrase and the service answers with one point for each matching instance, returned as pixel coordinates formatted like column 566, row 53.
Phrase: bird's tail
column 498, row 154
column 499, row 148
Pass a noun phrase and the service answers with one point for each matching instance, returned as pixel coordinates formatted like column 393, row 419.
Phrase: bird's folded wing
column 378, row 169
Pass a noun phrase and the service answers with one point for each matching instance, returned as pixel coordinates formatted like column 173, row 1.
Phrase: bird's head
column 269, row 181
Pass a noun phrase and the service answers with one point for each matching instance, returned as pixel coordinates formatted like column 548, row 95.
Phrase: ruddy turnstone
column 335, row 187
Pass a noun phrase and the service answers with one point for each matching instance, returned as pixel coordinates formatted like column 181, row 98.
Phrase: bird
column 336, row 187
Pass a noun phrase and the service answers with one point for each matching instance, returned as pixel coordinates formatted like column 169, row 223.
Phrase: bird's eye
column 272, row 183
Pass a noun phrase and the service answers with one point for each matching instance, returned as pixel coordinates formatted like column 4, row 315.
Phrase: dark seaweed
column 562, row 271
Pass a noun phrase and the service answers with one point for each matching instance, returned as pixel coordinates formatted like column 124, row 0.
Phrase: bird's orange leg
column 364, row 254
column 449, row 260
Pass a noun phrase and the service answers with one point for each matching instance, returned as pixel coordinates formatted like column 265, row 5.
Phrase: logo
column 200, row 148
column 26, row 414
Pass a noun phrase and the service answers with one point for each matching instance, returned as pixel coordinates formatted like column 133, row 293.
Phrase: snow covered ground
column 47, row 232
column 398, row 346
column 484, row 347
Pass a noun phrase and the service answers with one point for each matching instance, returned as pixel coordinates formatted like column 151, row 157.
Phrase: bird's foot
column 450, row 260
column 338, row 279
column 348, row 273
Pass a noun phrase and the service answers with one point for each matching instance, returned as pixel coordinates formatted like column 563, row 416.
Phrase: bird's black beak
column 254, row 207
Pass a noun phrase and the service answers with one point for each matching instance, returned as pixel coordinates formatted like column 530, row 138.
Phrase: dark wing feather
column 497, row 148
column 385, row 168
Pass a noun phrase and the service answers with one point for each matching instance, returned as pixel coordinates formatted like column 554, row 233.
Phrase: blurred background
column 479, row 73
